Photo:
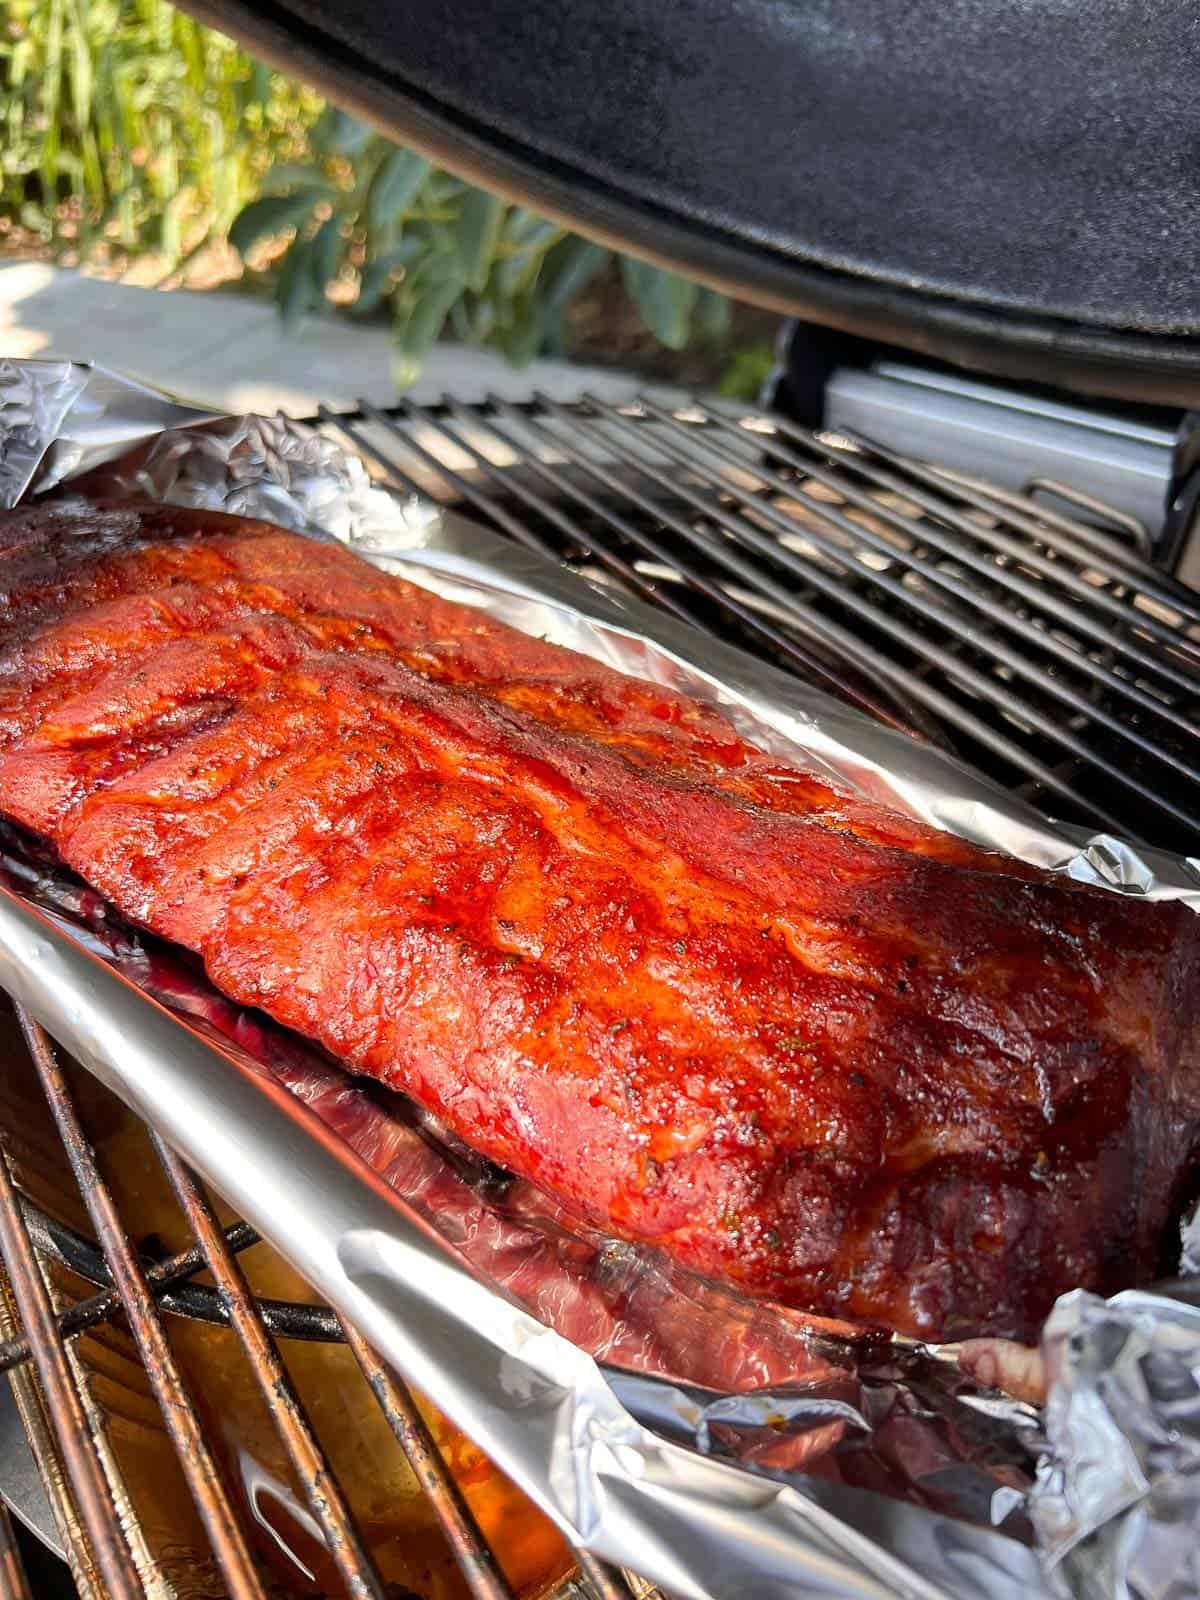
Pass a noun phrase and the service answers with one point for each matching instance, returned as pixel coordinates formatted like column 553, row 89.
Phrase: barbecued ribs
column 713, row 1003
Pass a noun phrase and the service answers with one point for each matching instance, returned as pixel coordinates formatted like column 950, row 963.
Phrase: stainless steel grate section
column 1042, row 648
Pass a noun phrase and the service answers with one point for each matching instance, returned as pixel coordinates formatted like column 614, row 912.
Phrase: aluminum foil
column 62, row 418
column 35, row 397
column 622, row 1456
column 1115, row 1498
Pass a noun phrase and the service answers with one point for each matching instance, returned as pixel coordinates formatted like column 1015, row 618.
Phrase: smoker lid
column 1012, row 185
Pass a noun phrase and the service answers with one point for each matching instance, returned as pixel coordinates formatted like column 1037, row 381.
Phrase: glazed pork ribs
column 712, row 1003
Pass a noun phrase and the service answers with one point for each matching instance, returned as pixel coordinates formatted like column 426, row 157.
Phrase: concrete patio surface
column 229, row 350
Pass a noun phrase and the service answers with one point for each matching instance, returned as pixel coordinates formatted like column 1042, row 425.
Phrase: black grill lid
column 1011, row 185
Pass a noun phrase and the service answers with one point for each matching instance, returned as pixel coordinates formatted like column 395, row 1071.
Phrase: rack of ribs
column 712, row 1003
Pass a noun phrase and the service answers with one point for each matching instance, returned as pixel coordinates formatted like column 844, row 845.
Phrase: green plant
column 382, row 222
column 127, row 130
column 747, row 372
column 126, row 126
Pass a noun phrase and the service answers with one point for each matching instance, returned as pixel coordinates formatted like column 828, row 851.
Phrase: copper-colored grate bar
column 77, row 1449
column 13, row 1585
column 216, row 1512
column 321, row 1488
column 216, row 1252
column 474, row 1555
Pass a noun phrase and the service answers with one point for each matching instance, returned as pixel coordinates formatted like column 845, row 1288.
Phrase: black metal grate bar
column 608, row 558
column 848, row 647
column 839, row 679
column 1115, row 526
column 98, row 1308
column 1043, row 525
column 974, row 596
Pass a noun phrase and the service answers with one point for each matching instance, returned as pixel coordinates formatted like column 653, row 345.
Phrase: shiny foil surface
column 735, row 1449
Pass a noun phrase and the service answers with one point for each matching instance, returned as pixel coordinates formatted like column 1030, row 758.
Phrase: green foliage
column 126, row 125
column 442, row 253
column 665, row 300
column 746, row 373
column 126, row 128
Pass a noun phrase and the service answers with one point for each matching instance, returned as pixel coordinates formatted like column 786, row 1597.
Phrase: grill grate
column 1046, row 651
column 140, row 1292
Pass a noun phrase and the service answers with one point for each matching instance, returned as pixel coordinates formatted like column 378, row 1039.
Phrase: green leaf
column 525, row 338
column 520, row 271
column 264, row 218
column 527, row 228
column 260, row 82
column 479, row 219
column 569, row 267
column 285, row 176
column 744, row 377
column 506, row 312
column 377, row 276
column 419, row 327
column 170, row 232
column 337, row 133
column 34, row 218
column 664, row 299
column 460, row 321
column 394, row 186
column 482, row 320
column 514, row 275
column 326, row 254
column 444, row 187
column 81, row 71
column 714, row 313
column 294, row 287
